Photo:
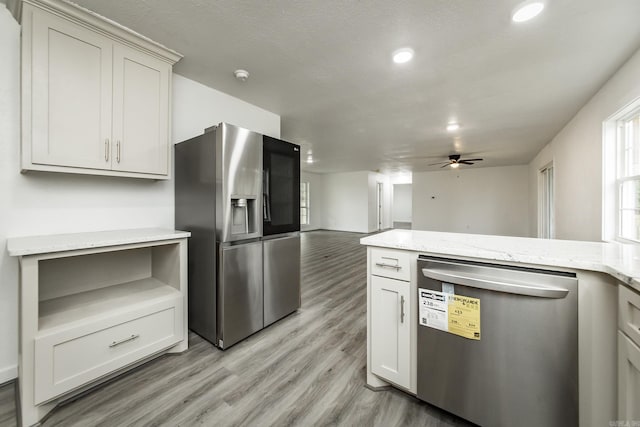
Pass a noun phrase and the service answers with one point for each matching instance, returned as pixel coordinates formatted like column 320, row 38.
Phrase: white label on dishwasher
column 434, row 309
column 448, row 288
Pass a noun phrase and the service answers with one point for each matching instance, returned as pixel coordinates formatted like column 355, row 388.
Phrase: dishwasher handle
column 521, row 288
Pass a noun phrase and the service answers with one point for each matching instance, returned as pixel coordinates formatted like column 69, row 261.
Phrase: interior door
column 281, row 277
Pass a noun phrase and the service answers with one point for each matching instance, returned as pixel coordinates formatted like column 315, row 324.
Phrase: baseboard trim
column 8, row 374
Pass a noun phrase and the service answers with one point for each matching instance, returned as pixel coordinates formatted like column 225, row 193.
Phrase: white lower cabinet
column 92, row 305
column 628, row 379
column 628, row 355
column 390, row 330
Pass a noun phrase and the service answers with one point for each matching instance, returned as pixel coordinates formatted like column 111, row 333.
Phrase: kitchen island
column 601, row 270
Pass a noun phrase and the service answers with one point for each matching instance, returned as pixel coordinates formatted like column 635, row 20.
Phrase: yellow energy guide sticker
column 464, row 316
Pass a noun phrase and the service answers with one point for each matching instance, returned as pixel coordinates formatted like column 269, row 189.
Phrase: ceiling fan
column 455, row 161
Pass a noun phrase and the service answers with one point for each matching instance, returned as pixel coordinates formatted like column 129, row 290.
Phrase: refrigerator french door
column 280, row 186
column 280, row 228
column 241, row 292
column 281, row 276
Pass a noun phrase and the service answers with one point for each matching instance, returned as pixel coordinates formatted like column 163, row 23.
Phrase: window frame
column 546, row 202
column 614, row 177
column 306, row 186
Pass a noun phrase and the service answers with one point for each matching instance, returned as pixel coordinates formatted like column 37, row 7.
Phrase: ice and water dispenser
column 243, row 212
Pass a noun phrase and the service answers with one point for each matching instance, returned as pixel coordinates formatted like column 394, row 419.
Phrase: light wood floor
column 307, row 369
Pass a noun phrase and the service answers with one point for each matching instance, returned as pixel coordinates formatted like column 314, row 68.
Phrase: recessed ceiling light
column 527, row 10
column 452, row 127
column 403, row 55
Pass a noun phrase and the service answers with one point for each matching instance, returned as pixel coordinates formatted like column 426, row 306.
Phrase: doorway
column 402, row 198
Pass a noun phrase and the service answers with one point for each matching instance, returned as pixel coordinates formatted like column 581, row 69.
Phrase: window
column 628, row 176
column 546, row 229
column 622, row 175
column 304, row 203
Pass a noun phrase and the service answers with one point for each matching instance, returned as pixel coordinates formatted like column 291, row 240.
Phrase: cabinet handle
column 383, row 265
column 401, row 309
column 118, row 151
column 106, row 150
column 117, row 343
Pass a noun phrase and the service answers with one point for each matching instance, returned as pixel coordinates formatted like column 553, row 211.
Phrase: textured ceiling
column 325, row 67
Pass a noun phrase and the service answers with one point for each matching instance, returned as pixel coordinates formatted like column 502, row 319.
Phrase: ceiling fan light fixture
column 526, row 11
column 455, row 165
column 403, row 55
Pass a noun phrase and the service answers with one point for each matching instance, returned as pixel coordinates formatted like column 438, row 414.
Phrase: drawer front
column 629, row 313
column 73, row 358
column 391, row 263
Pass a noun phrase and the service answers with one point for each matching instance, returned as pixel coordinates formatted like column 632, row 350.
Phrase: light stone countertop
column 32, row 245
column 621, row 261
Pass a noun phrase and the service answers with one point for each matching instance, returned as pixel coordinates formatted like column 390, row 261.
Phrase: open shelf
column 93, row 305
column 79, row 307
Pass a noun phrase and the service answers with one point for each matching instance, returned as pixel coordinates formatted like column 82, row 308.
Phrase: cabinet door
column 140, row 112
column 71, row 94
column 390, row 317
column 628, row 379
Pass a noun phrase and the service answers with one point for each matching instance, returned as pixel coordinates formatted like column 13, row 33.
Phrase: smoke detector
column 241, row 75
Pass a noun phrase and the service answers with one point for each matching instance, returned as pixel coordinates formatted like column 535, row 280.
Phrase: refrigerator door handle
column 266, row 197
column 281, row 237
column 522, row 288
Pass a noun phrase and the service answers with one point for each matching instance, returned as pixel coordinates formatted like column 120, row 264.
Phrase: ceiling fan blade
column 465, row 162
column 471, row 160
column 439, row 163
column 445, row 165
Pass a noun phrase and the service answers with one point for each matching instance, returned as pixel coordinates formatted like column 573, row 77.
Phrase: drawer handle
column 117, row 343
column 401, row 309
column 383, row 265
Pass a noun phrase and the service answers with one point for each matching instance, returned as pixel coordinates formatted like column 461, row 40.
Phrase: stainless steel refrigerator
column 219, row 196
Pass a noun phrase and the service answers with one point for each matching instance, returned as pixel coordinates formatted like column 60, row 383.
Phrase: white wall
column 483, row 201
column 349, row 201
column 196, row 107
column 402, row 195
column 316, row 202
column 49, row 203
column 576, row 152
column 9, row 155
column 346, row 202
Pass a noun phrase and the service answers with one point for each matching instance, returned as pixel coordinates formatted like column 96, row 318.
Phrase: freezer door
column 240, row 293
column 281, row 277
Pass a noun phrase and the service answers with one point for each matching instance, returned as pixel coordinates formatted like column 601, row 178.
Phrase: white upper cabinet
column 96, row 96
column 140, row 112
column 71, row 94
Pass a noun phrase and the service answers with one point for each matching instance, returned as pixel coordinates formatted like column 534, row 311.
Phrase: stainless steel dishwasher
column 498, row 345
